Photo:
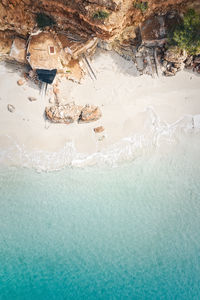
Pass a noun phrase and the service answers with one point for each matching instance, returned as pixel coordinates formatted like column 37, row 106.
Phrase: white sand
column 123, row 98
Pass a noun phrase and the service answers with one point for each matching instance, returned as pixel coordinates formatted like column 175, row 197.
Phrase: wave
column 155, row 135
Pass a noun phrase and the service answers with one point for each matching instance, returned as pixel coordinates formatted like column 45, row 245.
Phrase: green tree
column 187, row 34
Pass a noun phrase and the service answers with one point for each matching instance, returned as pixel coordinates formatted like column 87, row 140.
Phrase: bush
column 143, row 6
column 43, row 20
column 187, row 34
column 101, row 15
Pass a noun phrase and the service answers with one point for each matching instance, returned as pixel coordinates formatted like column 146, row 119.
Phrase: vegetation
column 143, row 6
column 44, row 20
column 187, row 34
column 100, row 15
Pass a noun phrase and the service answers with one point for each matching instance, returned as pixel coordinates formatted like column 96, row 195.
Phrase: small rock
column 164, row 63
column 26, row 76
column 20, row 82
column 51, row 101
column 56, row 90
column 99, row 129
column 10, row 108
column 32, row 99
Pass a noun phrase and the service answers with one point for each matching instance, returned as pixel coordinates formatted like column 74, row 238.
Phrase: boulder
column 66, row 114
column 90, row 113
column 10, row 108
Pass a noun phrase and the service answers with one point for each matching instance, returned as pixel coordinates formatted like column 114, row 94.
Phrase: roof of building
column 44, row 52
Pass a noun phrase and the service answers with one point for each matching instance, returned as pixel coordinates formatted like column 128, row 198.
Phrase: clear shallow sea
column 131, row 232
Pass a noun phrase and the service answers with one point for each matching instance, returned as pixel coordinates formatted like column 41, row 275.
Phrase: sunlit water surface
column 131, row 232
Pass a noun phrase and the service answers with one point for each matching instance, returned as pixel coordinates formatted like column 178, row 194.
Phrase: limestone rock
column 10, row 108
column 99, row 129
column 66, row 114
column 90, row 113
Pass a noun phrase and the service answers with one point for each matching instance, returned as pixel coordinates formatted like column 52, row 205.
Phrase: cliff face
column 81, row 16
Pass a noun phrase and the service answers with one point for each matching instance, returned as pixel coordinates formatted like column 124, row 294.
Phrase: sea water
column 129, row 232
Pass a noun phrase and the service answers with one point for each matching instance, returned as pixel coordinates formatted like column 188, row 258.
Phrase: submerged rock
column 90, row 113
column 66, row 114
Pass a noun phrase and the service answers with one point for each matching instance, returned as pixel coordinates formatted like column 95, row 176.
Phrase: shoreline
column 134, row 109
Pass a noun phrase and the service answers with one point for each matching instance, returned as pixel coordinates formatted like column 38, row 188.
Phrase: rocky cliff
column 105, row 19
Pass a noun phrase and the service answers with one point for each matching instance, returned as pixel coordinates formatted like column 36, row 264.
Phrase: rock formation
column 71, row 113
column 174, row 61
column 102, row 18
column 67, row 114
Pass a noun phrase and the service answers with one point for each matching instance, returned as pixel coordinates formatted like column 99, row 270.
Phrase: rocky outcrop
column 174, row 61
column 90, row 113
column 71, row 113
column 77, row 17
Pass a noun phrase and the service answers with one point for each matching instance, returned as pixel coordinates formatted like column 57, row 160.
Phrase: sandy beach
column 132, row 107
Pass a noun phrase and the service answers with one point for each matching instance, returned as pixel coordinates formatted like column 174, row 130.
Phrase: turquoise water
column 131, row 232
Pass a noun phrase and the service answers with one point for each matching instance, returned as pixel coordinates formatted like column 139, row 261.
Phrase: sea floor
column 129, row 232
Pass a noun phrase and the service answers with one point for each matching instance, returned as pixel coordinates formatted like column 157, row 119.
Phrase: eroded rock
column 66, row 114
column 71, row 113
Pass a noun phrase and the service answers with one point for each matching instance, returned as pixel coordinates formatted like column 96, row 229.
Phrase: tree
column 187, row 34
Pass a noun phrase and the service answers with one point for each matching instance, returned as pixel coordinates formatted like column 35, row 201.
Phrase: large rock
column 90, row 113
column 67, row 114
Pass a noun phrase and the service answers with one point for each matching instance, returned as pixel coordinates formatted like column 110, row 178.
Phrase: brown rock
column 20, row 82
column 10, row 108
column 90, row 113
column 66, row 114
column 99, row 129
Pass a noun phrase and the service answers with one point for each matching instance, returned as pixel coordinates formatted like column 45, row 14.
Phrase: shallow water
column 130, row 232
